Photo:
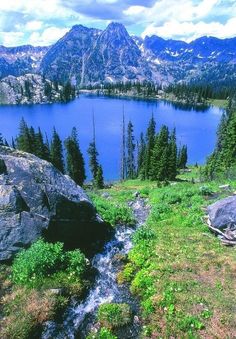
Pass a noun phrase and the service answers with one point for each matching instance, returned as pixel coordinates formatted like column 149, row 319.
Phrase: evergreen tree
column 6, row 143
column 159, row 159
column 23, row 140
column 183, row 157
column 150, row 142
column 141, row 156
column 56, row 151
column 93, row 154
column 39, row 150
column 172, row 166
column 46, row 149
column 74, row 158
column 99, row 180
column 130, row 152
column 1, row 140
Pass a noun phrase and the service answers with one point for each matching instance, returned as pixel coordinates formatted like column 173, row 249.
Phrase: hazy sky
column 42, row 22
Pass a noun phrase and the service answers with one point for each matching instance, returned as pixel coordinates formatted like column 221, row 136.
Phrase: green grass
column 219, row 103
column 183, row 276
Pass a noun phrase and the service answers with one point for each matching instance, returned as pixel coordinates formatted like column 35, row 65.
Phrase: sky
column 43, row 22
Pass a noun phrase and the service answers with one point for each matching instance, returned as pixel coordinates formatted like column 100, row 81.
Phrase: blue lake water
column 196, row 128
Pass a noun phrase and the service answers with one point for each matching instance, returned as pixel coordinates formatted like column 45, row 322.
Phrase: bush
column 113, row 213
column 114, row 315
column 205, row 190
column 44, row 259
column 143, row 233
column 171, row 198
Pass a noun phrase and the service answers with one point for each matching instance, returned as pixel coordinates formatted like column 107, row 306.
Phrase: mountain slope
column 90, row 56
column 65, row 60
column 20, row 60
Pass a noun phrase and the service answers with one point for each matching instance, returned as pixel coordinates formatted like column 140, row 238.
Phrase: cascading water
column 80, row 318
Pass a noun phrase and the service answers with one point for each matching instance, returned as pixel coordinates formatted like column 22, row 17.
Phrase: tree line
column 199, row 93
column 157, row 155
column 224, row 156
column 71, row 161
column 140, row 88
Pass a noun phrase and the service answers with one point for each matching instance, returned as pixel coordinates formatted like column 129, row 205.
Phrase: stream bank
column 80, row 318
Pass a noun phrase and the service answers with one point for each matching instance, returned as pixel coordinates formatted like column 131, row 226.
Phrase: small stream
column 80, row 318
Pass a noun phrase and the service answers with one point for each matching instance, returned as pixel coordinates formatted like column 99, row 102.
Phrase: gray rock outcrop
column 37, row 200
column 28, row 89
column 223, row 212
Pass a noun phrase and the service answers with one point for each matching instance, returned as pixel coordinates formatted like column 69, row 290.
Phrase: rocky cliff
column 37, row 200
column 28, row 89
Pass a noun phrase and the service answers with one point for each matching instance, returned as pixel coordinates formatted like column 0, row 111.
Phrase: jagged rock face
column 37, row 200
column 222, row 213
column 28, row 89
column 90, row 56
column 67, row 59
column 115, row 57
column 20, row 60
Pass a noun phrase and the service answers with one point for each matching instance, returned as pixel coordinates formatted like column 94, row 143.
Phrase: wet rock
column 222, row 213
column 37, row 200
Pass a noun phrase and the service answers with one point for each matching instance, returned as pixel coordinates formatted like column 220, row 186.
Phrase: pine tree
column 150, row 142
column 141, row 156
column 74, row 159
column 1, row 140
column 182, row 157
column 99, row 180
column 56, row 151
column 130, row 152
column 160, row 156
column 93, row 154
column 39, row 150
column 46, row 149
column 172, row 160
column 23, row 140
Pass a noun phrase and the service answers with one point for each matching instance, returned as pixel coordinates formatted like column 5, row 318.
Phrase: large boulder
column 222, row 213
column 37, row 200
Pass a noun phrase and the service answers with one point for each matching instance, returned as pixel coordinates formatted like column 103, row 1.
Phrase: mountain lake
column 195, row 127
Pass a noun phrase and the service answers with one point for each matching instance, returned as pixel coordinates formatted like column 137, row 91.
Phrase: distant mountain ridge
column 91, row 56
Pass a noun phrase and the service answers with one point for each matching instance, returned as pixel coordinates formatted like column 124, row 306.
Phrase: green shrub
column 114, row 315
column 205, row 190
column 42, row 260
column 171, row 197
column 111, row 212
column 143, row 233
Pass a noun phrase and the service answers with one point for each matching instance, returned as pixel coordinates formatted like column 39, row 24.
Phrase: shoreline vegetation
column 221, row 103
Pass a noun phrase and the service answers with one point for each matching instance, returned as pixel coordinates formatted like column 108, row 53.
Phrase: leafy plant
column 114, row 315
column 113, row 213
column 42, row 260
